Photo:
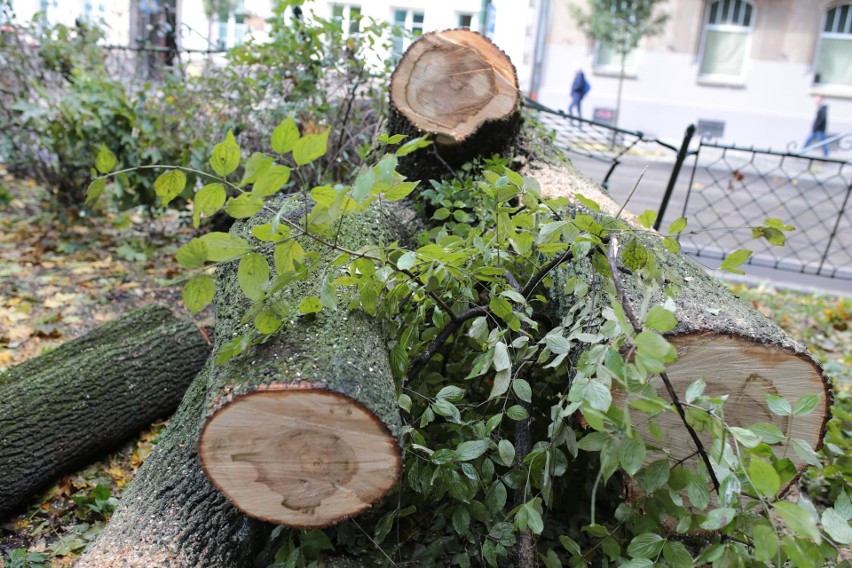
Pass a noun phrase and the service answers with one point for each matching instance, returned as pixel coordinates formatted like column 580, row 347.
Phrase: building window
column 348, row 17
column 465, row 20
column 835, row 48
column 407, row 21
column 608, row 59
column 727, row 38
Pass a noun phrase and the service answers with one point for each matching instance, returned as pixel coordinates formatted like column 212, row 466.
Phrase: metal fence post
column 681, row 156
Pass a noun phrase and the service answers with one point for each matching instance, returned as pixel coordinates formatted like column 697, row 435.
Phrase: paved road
column 809, row 200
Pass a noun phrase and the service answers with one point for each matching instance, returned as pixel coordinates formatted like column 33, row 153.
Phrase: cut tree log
column 737, row 350
column 173, row 515
column 463, row 90
column 303, row 428
column 60, row 410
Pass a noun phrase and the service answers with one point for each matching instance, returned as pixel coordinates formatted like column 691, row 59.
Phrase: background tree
column 620, row 25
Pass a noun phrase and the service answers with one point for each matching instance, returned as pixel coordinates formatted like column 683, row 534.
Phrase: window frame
column 821, row 35
column 631, row 67
column 409, row 25
column 746, row 30
column 351, row 27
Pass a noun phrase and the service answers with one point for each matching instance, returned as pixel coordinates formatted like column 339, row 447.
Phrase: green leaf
column 557, row 344
column 244, row 206
column 778, row 405
column 105, row 160
column 676, row 554
column 634, row 255
column 470, row 450
column 95, row 189
column 694, row 390
column 224, row 246
column 646, row 545
column 461, row 519
column 517, row 412
column 522, row 390
column 391, row 140
column 677, row 226
column 735, row 259
column 310, row 147
column 264, row 233
column 745, row 436
column 654, row 345
column 287, row 255
column 718, row 518
column 837, row 527
column 226, row 156
column 169, row 185
column 451, row 393
column 255, row 165
column 769, row 433
column 253, row 275
column 400, row 190
column 805, row 405
column 655, row 476
column 591, row 205
column 207, row 201
column 405, row 402
column 570, row 545
column 798, row 520
column 765, row 543
column 534, row 521
column 772, row 235
column 198, row 293
column 672, row 245
column 763, row 477
column 363, row 184
column 285, row 135
column 193, row 254
column 412, row 145
column 806, row 452
column 502, row 361
column 506, row 451
column 502, row 379
column 407, row 261
column 310, row 305
column 647, row 218
column 660, row 319
column 271, row 180
column 631, row 454
column 267, row 322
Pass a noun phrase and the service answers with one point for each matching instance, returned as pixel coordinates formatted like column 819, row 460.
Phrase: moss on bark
column 60, row 410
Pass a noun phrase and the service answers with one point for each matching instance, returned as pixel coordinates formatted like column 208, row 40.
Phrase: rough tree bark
column 60, row 410
column 172, row 515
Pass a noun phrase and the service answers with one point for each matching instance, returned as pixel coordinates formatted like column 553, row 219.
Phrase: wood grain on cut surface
column 451, row 82
column 745, row 371
column 301, row 457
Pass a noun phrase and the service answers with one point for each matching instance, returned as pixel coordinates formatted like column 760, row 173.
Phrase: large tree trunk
column 307, row 390
column 60, row 410
column 737, row 350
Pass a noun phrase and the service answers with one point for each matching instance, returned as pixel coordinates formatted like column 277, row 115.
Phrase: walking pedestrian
column 579, row 89
column 819, row 127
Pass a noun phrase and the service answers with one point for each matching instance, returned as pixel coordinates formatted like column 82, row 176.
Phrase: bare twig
column 632, row 191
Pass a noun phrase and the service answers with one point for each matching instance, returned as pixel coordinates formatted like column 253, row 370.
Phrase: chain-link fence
column 732, row 189
column 596, row 140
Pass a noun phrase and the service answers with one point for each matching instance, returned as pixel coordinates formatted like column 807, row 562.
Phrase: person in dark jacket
column 578, row 91
column 817, row 134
